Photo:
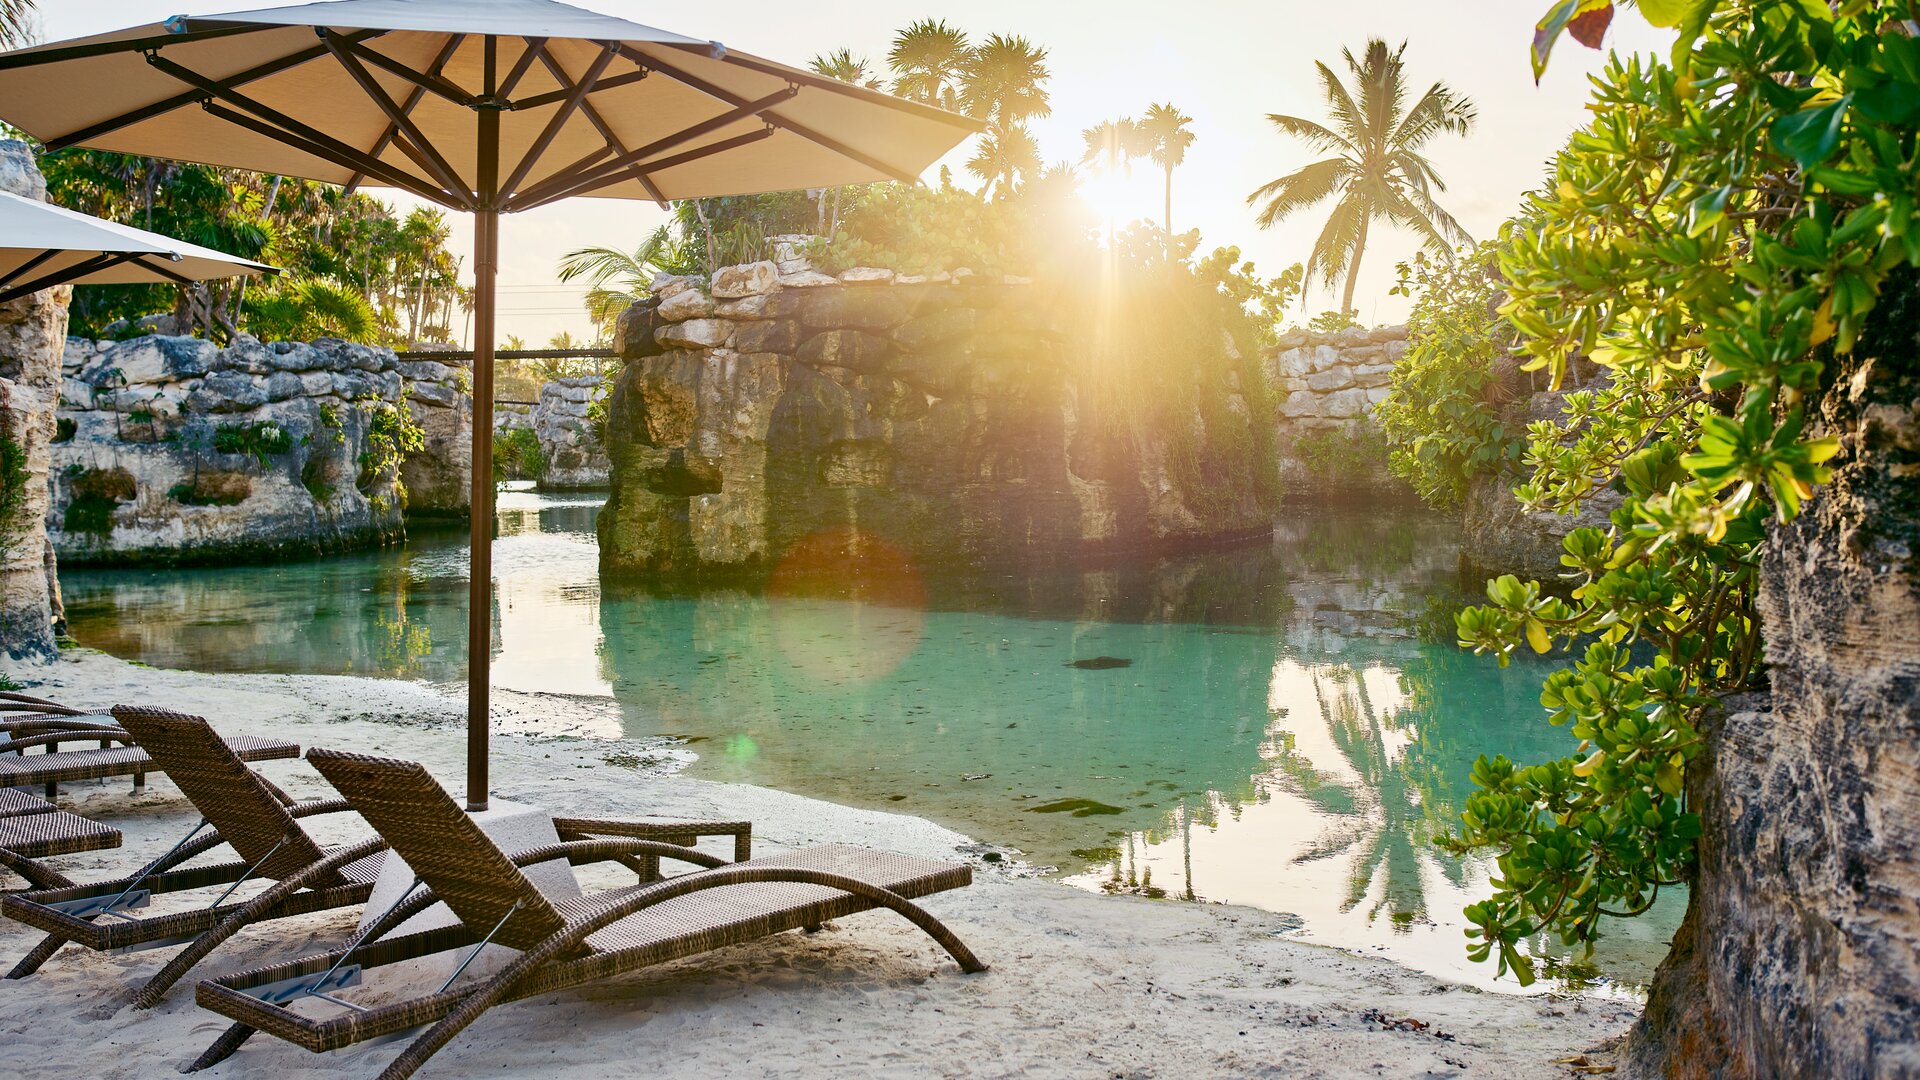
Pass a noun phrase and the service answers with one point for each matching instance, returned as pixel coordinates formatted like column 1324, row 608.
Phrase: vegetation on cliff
column 1721, row 230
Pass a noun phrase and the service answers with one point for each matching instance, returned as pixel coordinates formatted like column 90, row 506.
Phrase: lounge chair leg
column 41, row 953
column 222, row 1048
column 38, row 876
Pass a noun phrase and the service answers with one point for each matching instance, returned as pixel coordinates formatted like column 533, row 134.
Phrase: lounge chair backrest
column 227, row 792
column 461, row 864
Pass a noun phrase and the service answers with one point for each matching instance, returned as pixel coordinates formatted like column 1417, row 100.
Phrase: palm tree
column 1001, row 82
column 617, row 279
column 1166, row 130
column 1377, row 170
column 841, row 64
column 1003, row 158
column 1111, row 147
column 17, row 24
column 929, row 61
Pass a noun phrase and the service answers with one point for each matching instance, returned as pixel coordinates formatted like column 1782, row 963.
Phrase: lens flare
column 846, row 606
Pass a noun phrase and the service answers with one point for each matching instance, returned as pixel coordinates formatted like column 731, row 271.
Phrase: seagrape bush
column 1441, row 417
column 1713, row 238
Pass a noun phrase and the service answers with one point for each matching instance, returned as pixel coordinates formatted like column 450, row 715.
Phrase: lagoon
column 1264, row 724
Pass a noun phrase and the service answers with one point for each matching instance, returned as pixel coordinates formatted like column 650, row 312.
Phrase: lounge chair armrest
column 67, row 735
column 680, row 832
column 582, row 852
column 318, row 806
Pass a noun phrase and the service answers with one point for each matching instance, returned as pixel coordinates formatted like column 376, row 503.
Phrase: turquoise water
column 1261, row 725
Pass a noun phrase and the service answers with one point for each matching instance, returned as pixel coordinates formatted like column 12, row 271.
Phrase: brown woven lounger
column 32, row 828
column 562, row 943
column 55, row 766
column 261, row 824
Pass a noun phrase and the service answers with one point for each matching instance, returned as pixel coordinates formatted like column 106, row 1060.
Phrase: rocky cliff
column 954, row 419
column 436, row 476
column 1800, row 955
column 172, row 449
column 31, row 331
column 563, row 423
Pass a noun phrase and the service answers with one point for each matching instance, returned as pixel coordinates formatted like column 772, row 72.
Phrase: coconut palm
column 1003, row 158
column 1165, row 129
column 1376, row 171
column 929, row 61
column 1112, row 145
column 1003, row 82
column 17, row 24
column 617, row 279
column 841, row 64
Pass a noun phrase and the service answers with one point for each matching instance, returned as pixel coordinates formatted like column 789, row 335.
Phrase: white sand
column 1082, row 985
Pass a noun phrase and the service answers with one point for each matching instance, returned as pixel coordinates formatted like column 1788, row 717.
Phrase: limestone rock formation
column 563, row 423
column 172, row 449
column 437, row 476
column 947, row 422
column 32, row 329
column 1800, row 955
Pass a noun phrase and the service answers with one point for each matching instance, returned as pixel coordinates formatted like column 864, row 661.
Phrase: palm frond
column 1299, row 189
column 1317, row 137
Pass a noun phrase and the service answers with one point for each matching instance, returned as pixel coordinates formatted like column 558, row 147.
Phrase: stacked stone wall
column 563, row 422
column 1327, row 386
column 173, row 449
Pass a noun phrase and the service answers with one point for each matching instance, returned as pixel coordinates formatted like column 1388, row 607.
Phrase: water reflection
column 1277, row 734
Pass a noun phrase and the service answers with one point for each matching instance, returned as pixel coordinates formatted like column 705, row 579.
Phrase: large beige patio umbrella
column 488, row 106
column 42, row 246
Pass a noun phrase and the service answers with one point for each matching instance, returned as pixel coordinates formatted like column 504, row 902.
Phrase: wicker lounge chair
column 32, row 828
column 561, row 943
column 117, row 753
column 260, row 824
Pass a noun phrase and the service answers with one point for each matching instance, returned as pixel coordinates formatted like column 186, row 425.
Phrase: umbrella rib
column 423, row 151
column 326, row 153
column 606, row 131
column 61, row 277
column 271, row 67
column 695, row 154
column 535, row 47
column 434, row 83
column 413, row 98
column 587, row 177
column 108, row 48
column 578, row 94
column 709, row 89
column 30, row 266
column 611, row 82
column 835, row 86
column 280, row 125
column 179, row 279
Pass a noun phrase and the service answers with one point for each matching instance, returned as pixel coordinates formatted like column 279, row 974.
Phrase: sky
column 1226, row 64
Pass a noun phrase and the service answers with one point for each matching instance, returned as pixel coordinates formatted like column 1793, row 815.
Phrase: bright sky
column 1226, row 64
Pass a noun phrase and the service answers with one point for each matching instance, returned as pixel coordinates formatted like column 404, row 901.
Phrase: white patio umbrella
column 488, row 106
column 42, row 246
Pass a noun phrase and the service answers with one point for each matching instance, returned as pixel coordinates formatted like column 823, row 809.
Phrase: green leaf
column 1668, row 12
column 1810, row 136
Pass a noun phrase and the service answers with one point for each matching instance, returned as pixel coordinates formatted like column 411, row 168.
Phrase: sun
column 1116, row 198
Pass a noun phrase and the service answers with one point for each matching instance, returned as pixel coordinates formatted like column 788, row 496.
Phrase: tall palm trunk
column 1353, row 272
column 1169, row 209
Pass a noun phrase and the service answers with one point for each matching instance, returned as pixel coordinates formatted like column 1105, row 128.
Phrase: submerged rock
column 1100, row 663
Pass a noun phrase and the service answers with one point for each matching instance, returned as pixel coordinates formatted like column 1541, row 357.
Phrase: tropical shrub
column 1722, row 228
column 1441, row 418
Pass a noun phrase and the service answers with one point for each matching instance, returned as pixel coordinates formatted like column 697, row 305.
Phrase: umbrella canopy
column 42, row 246
column 490, row 106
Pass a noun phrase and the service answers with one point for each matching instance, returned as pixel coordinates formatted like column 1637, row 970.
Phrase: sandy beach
column 1082, row 985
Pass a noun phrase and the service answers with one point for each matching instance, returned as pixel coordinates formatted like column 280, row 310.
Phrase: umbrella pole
column 486, row 253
